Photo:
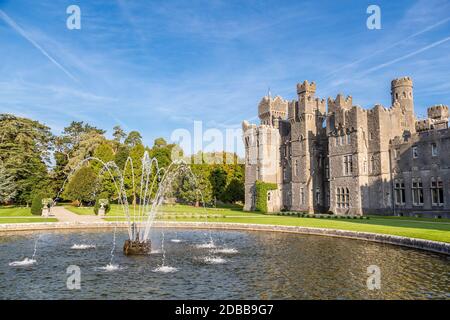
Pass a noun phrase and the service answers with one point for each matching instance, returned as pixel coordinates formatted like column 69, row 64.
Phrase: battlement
column 403, row 81
column 340, row 102
column 438, row 112
column 306, row 87
column 424, row 125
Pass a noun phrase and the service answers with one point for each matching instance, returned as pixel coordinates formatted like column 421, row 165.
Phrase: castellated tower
column 305, row 152
column 262, row 151
column 402, row 94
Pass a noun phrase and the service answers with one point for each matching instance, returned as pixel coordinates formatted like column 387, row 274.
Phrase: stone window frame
column 415, row 152
column 399, row 192
column 302, row 196
column 372, row 164
column 434, row 149
column 417, row 192
column 318, row 196
column 342, row 197
column 347, row 161
column 437, row 191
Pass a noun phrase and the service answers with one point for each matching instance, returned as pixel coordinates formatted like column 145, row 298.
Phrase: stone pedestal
column 137, row 248
column 45, row 212
column 101, row 212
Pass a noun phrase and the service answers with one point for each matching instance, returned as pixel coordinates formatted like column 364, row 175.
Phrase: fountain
column 154, row 184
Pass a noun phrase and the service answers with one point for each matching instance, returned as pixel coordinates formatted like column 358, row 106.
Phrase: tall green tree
column 82, row 187
column 7, row 186
column 133, row 139
column 25, row 147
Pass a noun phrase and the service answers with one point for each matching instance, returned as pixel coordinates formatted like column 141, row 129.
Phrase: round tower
column 402, row 93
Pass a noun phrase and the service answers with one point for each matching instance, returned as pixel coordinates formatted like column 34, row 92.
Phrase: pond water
column 243, row 265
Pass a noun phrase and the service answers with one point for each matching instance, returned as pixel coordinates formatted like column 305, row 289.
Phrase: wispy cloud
column 24, row 34
column 406, row 56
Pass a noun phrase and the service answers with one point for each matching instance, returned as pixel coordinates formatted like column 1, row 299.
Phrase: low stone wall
column 434, row 246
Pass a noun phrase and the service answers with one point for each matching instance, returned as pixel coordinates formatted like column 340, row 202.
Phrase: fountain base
column 135, row 247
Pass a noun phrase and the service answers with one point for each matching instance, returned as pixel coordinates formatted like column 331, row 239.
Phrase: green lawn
column 116, row 210
column 20, row 215
column 80, row 210
column 15, row 211
column 422, row 228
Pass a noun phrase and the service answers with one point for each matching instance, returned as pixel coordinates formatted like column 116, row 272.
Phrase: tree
column 88, row 143
column 234, row 191
column 104, row 152
column 159, row 143
column 118, row 134
column 36, row 205
column 218, row 179
column 82, row 186
column 7, row 185
column 25, row 147
column 133, row 139
column 121, row 156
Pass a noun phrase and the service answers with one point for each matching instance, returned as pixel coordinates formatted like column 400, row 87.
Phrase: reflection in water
column 249, row 265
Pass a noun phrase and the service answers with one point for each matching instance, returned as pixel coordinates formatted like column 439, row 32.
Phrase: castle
column 334, row 157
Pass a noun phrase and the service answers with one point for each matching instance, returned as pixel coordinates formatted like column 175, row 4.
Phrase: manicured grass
column 81, row 210
column 422, row 228
column 15, row 211
column 116, row 210
column 11, row 214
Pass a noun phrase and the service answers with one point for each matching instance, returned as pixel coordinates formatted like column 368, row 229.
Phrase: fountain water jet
column 155, row 183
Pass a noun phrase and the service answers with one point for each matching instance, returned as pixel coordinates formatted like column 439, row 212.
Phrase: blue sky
column 155, row 66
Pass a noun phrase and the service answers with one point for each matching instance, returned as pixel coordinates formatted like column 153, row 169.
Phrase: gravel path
column 64, row 215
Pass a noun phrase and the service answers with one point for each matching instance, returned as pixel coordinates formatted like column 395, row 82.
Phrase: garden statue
column 46, row 205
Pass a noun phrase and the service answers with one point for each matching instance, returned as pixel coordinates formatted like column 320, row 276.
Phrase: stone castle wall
column 340, row 158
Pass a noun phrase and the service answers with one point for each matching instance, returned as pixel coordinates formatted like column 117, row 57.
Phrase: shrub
column 36, row 205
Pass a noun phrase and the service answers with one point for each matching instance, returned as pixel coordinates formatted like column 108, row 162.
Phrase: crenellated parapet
column 438, row 112
column 305, row 86
column 402, row 81
column 272, row 108
column 424, row 125
column 339, row 102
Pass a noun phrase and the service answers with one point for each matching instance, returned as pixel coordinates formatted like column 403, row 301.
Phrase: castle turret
column 271, row 110
column 402, row 95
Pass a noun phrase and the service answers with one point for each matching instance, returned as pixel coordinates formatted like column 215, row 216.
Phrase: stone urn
column 103, row 207
column 46, row 206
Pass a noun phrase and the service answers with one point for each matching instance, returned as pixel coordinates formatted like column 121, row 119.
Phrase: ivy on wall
column 262, row 188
